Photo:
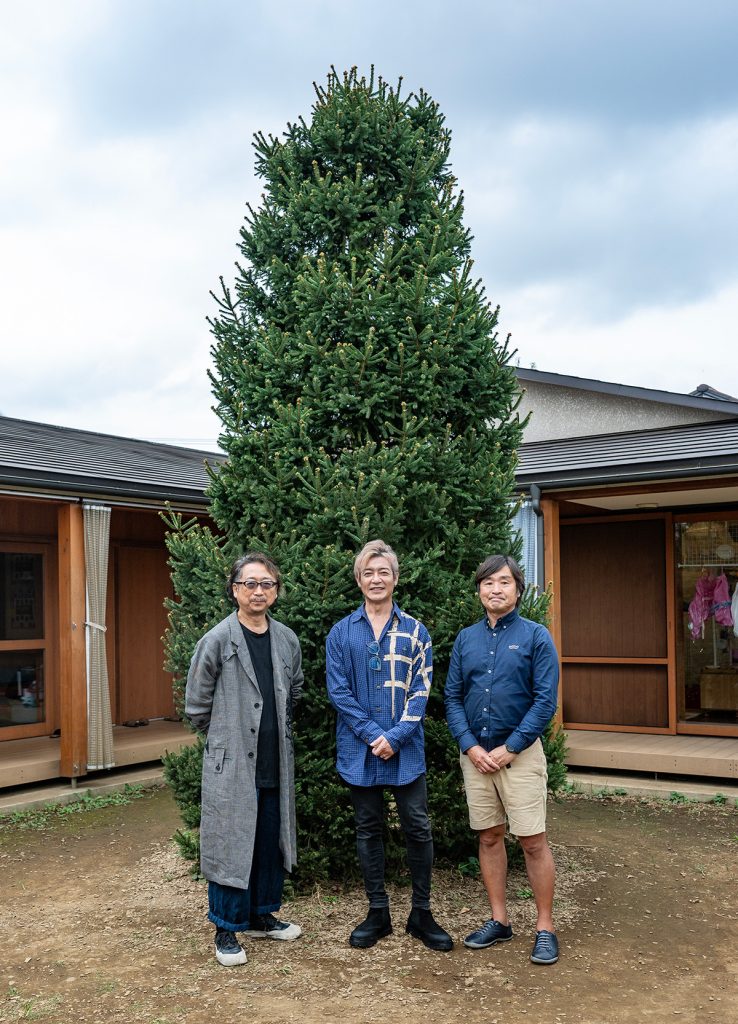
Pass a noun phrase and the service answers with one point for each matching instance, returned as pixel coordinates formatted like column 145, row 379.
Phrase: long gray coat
column 223, row 700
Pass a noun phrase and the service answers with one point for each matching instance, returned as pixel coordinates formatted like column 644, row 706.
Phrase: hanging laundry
column 711, row 597
column 721, row 601
column 734, row 609
column 700, row 605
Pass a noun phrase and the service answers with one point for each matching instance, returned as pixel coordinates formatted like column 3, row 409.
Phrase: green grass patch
column 42, row 817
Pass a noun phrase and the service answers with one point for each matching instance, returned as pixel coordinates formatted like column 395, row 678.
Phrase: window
column 22, row 638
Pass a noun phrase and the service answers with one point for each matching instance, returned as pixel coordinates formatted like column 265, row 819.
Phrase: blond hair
column 374, row 549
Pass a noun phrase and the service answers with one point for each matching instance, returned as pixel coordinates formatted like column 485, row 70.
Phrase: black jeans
column 412, row 807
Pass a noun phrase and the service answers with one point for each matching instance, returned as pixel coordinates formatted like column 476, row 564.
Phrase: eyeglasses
column 266, row 585
column 372, row 648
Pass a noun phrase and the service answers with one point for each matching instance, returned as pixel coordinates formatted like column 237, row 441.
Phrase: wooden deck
column 707, row 756
column 37, row 760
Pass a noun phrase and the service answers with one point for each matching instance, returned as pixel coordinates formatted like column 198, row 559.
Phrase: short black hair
column 252, row 556
column 493, row 564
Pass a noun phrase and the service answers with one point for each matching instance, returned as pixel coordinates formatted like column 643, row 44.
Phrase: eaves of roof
column 725, row 406
column 42, row 457
column 701, row 449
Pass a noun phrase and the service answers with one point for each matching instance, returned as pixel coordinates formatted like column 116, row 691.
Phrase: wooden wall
column 614, row 623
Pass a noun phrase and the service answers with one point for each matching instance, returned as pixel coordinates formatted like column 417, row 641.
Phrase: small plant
column 620, row 792
column 678, row 798
column 469, row 868
column 720, row 799
column 524, row 892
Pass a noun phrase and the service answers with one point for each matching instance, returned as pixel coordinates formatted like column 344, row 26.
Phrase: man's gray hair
column 374, row 549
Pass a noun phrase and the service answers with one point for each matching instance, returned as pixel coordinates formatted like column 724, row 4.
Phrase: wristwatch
column 510, row 750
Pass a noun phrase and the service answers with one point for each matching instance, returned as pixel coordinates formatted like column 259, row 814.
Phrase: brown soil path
column 99, row 921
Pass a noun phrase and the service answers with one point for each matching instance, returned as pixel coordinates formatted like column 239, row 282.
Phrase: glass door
column 707, row 631
column 23, row 642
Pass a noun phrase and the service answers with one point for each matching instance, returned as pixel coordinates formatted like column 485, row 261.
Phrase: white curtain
column 100, row 753
column 524, row 523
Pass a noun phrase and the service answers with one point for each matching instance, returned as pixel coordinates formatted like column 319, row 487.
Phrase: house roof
column 703, row 397
column 701, row 449
column 44, row 458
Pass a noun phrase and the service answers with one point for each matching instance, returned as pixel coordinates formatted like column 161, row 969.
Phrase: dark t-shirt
column 267, row 750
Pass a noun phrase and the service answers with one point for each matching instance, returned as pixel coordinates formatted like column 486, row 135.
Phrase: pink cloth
column 711, row 597
column 721, row 601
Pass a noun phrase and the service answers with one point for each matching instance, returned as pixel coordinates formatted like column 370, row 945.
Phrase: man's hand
column 502, row 756
column 484, row 762
column 381, row 748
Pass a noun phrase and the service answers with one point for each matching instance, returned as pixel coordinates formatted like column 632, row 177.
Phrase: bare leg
column 493, row 865
column 539, row 865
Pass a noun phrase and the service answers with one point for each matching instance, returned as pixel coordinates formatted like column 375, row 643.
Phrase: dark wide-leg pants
column 232, row 908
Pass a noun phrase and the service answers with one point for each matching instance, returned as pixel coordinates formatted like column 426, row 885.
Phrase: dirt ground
column 100, row 921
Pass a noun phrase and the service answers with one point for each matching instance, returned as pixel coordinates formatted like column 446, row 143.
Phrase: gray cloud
column 596, row 142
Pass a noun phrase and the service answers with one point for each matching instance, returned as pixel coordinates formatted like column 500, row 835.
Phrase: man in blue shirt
column 500, row 694
column 379, row 665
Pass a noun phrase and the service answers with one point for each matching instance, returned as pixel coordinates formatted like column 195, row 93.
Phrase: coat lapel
column 242, row 650
column 280, row 655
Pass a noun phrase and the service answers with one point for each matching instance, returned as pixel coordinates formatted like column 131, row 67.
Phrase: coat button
column 251, row 753
column 253, row 730
column 257, row 705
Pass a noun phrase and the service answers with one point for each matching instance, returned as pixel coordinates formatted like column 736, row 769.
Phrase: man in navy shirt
column 500, row 693
column 379, row 665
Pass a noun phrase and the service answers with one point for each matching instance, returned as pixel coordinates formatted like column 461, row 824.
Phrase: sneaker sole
column 294, row 931
column 486, row 945
column 230, row 959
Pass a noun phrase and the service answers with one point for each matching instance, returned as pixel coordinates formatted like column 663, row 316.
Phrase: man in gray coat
column 244, row 679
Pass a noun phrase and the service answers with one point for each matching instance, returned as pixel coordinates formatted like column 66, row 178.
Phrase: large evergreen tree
column 363, row 392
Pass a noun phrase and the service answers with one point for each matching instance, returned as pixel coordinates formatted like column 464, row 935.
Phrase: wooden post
column 72, row 647
column 552, row 578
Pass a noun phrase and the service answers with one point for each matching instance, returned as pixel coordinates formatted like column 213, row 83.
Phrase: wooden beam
column 552, row 578
column 72, row 648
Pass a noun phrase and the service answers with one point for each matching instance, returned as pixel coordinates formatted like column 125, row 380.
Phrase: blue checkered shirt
column 389, row 701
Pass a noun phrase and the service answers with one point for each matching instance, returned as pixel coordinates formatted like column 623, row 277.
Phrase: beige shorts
column 517, row 793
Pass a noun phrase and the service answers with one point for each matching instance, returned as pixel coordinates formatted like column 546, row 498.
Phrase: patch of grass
column 42, row 817
column 620, row 792
column 719, row 799
column 524, row 892
column 37, row 1009
column 678, row 798
column 469, row 868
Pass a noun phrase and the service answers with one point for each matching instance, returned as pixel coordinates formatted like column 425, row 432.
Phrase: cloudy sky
column 596, row 142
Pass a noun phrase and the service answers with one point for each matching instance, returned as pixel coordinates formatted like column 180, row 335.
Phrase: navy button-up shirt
column 389, row 701
column 502, row 683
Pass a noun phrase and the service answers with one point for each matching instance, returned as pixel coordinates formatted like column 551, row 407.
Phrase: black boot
column 375, row 926
column 422, row 925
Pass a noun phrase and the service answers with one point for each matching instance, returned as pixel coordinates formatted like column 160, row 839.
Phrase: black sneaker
column 227, row 950
column 545, row 949
column 267, row 926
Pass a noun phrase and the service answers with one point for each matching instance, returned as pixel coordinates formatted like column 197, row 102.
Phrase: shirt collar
column 506, row 620
column 360, row 613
